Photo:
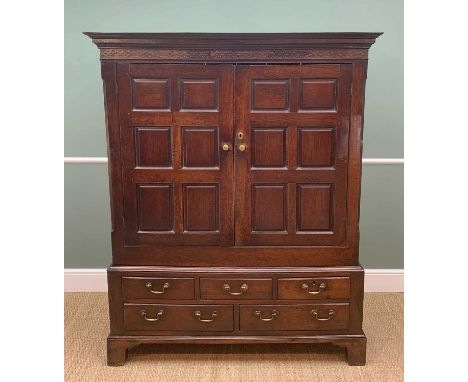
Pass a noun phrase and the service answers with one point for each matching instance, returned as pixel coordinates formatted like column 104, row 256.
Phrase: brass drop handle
column 158, row 315
column 259, row 314
column 149, row 285
column 242, row 147
column 243, row 288
column 198, row 314
column 315, row 313
column 321, row 287
column 225, row 147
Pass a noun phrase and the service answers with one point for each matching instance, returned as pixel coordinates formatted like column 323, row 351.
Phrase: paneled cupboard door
column 177, row 177
column 291, row 154
column 285, row 161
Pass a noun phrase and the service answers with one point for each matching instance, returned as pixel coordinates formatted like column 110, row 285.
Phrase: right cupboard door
column 291, row 143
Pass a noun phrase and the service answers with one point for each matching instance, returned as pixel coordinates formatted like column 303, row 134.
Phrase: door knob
column 242, row 147
column 225, row 147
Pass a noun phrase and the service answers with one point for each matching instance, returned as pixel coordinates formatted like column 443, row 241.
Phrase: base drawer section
column 294, row 317
column 162, row 317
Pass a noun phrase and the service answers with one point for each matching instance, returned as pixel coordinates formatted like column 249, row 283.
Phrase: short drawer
column 158, row 317
column 229, row 288
column 158, row 288
column 294, row 317
column 313, row 288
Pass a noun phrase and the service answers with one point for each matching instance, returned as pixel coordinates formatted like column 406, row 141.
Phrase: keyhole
column 240, row 135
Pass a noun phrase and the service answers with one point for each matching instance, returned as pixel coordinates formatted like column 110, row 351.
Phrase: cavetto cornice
column 239, row 47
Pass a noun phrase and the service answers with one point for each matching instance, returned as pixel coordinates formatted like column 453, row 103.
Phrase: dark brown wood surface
column 209, row 241
column 285, row 193
column 227, row 288
column 158, row 288
column 117, row 349
column 241, row 275
column 294, row 317
column 178, row 187
column 178, row 317
column 317, row 288
column 354, row 345
column 234, row 47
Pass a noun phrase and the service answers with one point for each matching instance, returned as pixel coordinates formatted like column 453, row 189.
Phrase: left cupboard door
column 176, row 133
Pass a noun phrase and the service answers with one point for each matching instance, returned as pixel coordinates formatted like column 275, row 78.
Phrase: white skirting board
column 95, row 280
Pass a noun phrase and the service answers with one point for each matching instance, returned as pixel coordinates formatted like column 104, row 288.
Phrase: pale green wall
column 87, row 237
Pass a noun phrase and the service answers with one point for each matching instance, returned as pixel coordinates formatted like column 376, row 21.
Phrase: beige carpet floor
column 86, row 328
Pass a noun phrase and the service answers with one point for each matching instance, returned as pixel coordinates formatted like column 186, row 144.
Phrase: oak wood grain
column 235, row 288
column 277, row 222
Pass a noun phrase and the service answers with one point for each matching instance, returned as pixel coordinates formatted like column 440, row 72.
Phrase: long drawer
column 294, row 317
column 160, row 317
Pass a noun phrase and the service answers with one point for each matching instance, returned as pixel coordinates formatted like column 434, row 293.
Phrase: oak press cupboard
column 235, row 170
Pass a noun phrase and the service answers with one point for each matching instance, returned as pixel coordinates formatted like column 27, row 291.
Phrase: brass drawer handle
column 321, row 287
column 242, row 147
column 315, row 313
column 149, row 285
column 243, row 288
column 198, row 314
column 225, row 147
column 158, row 315
column 258, row 313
